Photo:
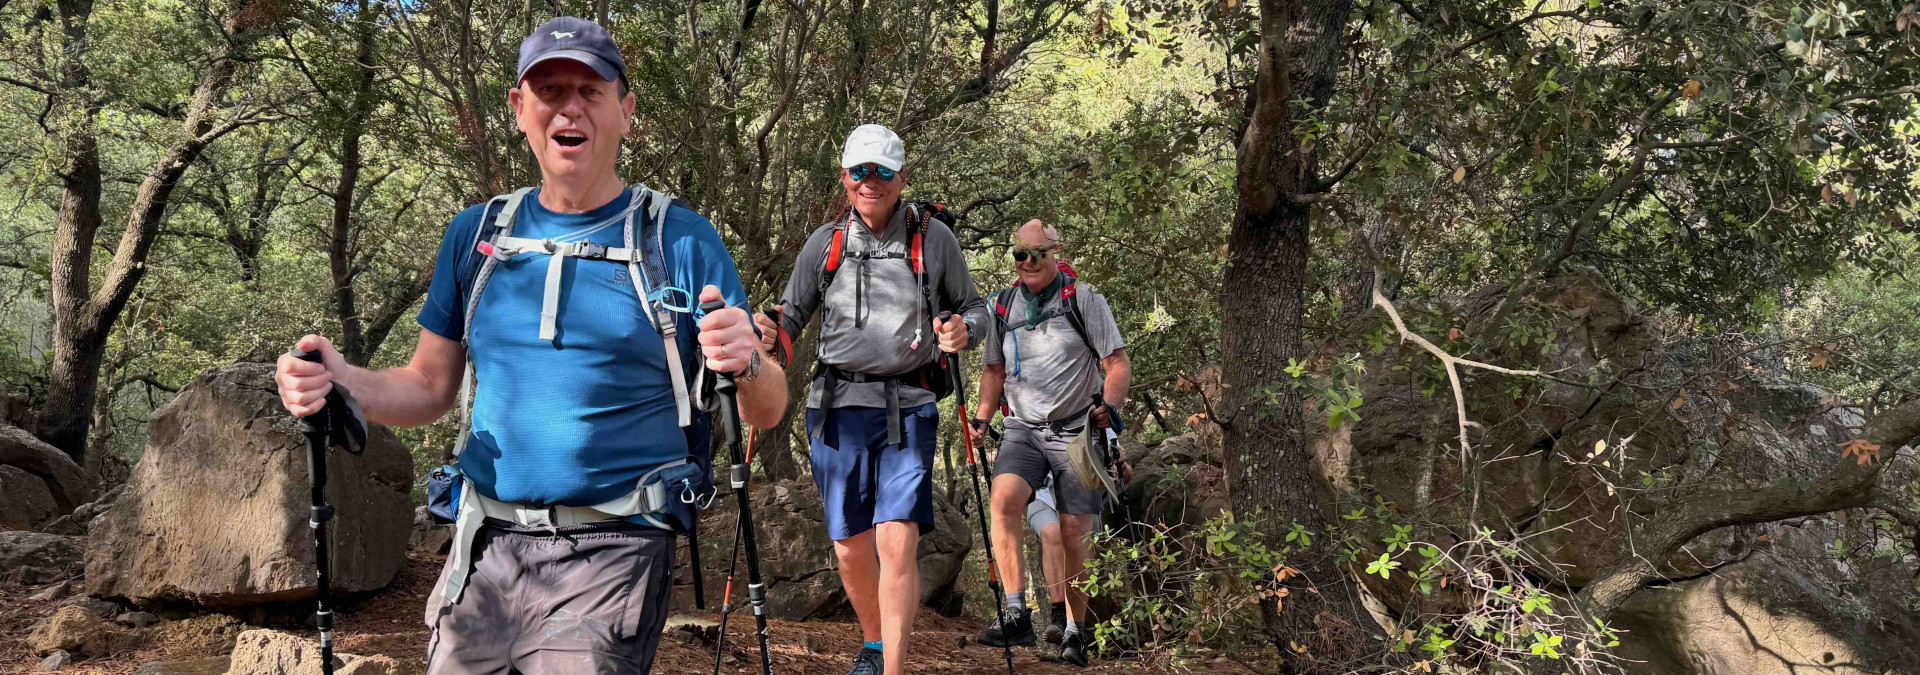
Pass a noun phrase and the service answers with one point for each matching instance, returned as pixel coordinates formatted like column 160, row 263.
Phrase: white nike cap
column 873, row 144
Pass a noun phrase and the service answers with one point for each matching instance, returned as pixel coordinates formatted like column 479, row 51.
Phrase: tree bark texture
column 341, row 251
column 84, row 317
column 1268, row 460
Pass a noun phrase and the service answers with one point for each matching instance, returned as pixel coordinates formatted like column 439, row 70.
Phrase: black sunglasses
column 1021, row 254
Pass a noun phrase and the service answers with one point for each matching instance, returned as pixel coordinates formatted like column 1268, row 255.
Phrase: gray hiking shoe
column 1056, row 623
column 1074, row 649
column 868, row 662
column 1016, row 629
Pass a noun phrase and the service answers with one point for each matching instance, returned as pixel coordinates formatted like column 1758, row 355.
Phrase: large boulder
column 797, row 560
column 25, row 501
column 36, row 558
column 1788, row 608
column 1178, row 481
column 69, row 485
column 1560, row 465
column 216, row 512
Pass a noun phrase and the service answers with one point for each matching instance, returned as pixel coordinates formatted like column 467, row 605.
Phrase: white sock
column 1017, row 600
column 1072, row 627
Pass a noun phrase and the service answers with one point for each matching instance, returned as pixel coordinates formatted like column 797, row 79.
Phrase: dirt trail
column 390, row 623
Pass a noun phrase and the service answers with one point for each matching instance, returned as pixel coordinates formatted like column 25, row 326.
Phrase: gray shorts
column 591, row 600
column 1037, row 454
column 1040, row 510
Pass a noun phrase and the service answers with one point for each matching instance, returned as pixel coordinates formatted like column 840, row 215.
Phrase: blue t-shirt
column 576, row 420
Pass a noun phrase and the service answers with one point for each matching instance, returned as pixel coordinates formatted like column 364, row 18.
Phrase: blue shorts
column 862, row 479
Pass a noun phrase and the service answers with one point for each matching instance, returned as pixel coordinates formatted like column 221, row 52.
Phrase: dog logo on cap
column 563, row 35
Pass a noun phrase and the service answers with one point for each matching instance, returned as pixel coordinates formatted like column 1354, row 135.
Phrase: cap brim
column 850, row 162
column 599, row 65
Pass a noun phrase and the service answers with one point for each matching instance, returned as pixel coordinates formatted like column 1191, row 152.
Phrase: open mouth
column 570, row 139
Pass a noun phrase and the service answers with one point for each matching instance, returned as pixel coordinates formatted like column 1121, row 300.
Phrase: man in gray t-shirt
column 1054, row 347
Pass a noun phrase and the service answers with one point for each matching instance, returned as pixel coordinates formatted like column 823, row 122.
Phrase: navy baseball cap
column 575, row 39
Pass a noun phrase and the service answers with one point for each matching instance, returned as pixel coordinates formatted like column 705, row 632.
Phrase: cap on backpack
column 576, row 39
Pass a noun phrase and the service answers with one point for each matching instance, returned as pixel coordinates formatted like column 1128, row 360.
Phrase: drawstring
column 860, row 291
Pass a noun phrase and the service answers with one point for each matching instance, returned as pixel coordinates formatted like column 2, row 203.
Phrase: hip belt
column 650, row 497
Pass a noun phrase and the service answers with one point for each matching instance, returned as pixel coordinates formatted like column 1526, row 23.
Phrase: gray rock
column 428, row 538
column 95, row 606
column 216, row 512
column 38, row 558
column 25, row 500
column 55, row 661
column 54, row 592
column 137, row 619
column 66, row 481
column 1787, row 608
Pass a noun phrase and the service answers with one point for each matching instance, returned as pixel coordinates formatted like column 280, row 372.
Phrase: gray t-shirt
column 1050, row 372
column 873, row 312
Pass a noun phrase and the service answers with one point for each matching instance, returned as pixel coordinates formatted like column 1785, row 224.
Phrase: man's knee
column 897, row 539
column 1050, row 536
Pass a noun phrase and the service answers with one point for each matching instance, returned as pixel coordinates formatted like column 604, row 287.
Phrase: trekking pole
column 733, row 565
column 1110, row 451
column 952, row 364
column 737, row 475
column 317, row 427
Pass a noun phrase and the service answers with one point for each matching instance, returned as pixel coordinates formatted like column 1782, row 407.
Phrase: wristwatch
column 753, row 368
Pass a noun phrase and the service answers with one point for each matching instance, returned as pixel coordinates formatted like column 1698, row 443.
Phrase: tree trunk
column 77, row 345
column 82, row 318
column 1322, row 626
column 341, row 253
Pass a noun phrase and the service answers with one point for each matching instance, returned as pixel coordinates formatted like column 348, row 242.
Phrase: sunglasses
column 1022, row 254
column 860, row 173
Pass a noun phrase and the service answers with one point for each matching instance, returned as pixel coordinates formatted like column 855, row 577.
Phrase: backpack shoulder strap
column 1071, row 300
column 648, row 272
column 501, row 224
column 1003, row 306
column 836, row 249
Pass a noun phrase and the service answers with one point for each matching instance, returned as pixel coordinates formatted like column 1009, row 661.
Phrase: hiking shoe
column 1074, row 649
column 1056, row 623
column 1016, row 629
column 868, row 662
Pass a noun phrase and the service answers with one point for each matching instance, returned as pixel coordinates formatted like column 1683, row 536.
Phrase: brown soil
column 390, row 623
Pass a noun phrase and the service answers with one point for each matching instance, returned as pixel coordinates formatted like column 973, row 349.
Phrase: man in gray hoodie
column 879, row 275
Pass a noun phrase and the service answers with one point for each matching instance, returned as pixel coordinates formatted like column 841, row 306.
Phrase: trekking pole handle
column 311, row 423
column 710, row 307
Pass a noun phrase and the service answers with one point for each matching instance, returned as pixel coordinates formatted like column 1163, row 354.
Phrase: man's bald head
column 1036, row 235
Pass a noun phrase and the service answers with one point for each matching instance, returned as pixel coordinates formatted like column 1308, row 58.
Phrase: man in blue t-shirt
column 575, row 407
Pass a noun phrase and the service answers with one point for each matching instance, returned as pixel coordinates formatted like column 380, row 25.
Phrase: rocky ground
column 389, row 624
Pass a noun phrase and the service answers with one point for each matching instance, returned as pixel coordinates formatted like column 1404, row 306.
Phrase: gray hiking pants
column 592, row 599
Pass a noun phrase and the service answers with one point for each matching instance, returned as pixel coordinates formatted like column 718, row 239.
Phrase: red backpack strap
column 1067, row 289
column 918, row 237
column 835, row 248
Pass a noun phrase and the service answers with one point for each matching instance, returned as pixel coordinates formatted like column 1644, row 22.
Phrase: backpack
column 919, row 215
column 1069, row 306
column 646, row 262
